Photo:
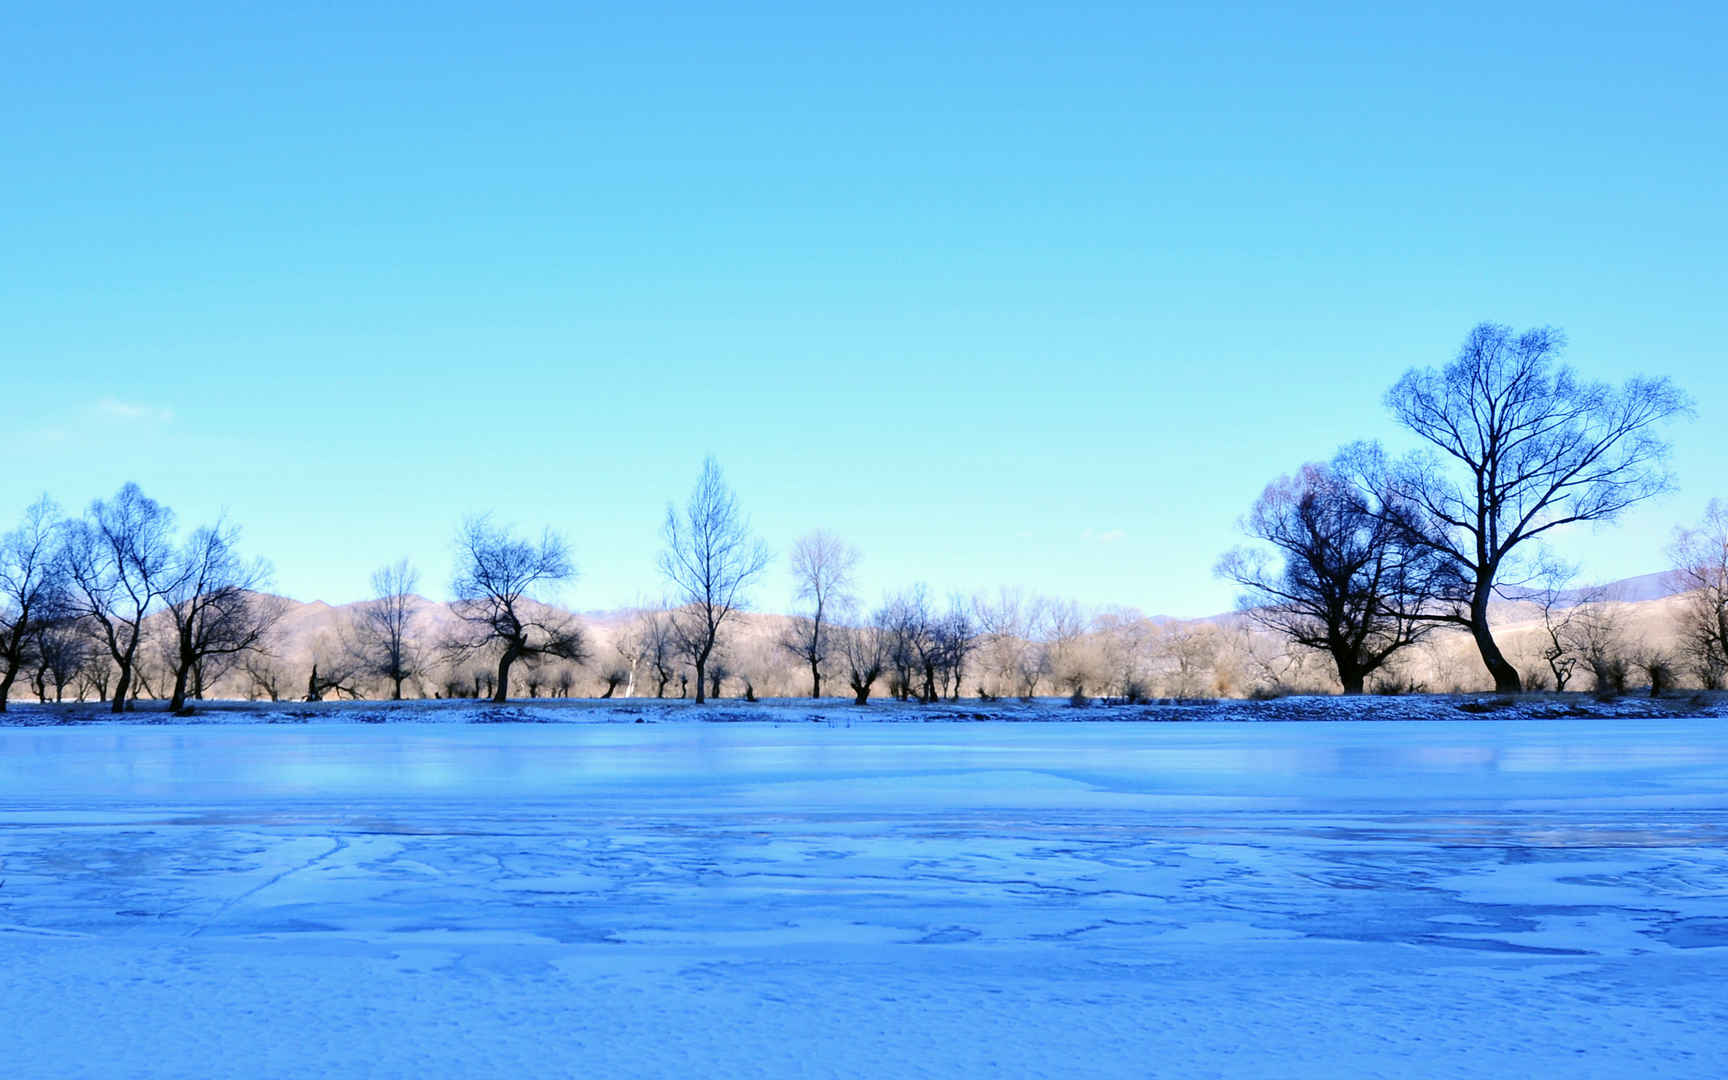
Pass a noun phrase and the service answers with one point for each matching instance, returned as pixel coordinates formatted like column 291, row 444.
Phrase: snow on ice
column 1493, row 897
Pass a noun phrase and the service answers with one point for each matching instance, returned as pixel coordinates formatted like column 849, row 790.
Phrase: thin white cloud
column 1103, row 536
column 130, row 410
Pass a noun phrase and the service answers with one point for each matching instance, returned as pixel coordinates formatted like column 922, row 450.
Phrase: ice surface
column 1302, row 899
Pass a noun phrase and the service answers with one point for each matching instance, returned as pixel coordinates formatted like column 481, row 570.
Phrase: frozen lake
column 1439, row 899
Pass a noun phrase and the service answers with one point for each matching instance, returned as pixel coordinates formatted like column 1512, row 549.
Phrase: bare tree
column 912, row 645
column 822, row 567
column 1341, row 580
column 264, row 678
column 1126, row 643
column 214, row 606
column 382, row 626
column 612, row 677
column 63, row 651
column 495, row 577
column 1700, row 560
column 865, row 652
column 120, row 562
column 1064, row 630
column 1560, row 607
column 710, row 559
column 1524, row 448
column 656, row 639
column 32, row 590
column 954, row 638
column 1602, row 644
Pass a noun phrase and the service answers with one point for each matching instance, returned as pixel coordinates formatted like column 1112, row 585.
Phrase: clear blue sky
column 1038, row 295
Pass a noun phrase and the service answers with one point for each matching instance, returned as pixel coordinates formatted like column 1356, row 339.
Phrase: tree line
column 1360, row 561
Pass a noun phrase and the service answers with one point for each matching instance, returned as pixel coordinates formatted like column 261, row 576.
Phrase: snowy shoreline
column 837, row 711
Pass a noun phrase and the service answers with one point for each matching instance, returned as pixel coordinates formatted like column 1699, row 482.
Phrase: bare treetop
column 1539, row 446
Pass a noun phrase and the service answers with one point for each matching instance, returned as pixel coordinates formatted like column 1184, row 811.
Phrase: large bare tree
column 1700, row 558
column 822, row 568
column 497, row 577
column 1339, row 578
column 1518, row 447
column 121, row 562
column 710, row 559
column 32, row 590
column 382, row 630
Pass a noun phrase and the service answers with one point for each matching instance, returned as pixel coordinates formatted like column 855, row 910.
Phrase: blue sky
column 1025, row 295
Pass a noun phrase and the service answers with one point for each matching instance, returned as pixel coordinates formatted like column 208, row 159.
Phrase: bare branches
column 496, row 578
column 382, row 626
column 120, row 562
column 214, row 606
column 822, row 567
column 32, row 589
column 710, row 558
column 1519, row 447
column 1341, row 579
column 1700, row 560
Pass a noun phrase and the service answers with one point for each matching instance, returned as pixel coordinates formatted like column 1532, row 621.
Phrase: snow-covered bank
column 838, row 711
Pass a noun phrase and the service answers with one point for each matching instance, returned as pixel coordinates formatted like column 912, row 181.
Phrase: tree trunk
column 860, row 695
column 701, row 674
column 501, row 693
column 178, row 700
column 396, row 688
column 1506, row 680
column 1350, row 673
column 815, row 679
column 6, row 681
column 122, row 684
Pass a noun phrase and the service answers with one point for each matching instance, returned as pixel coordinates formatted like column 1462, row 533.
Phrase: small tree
column 865, row 652
column 1602, row 644
column 657, row 639
column 32, row 591
column 1561, row 608
column 710, row 559
column 1700, row 560
column 63, row 652
column 954, row 638
column 495, row 578
column 382, row 626
column 1523, row 448
column 822, row 567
